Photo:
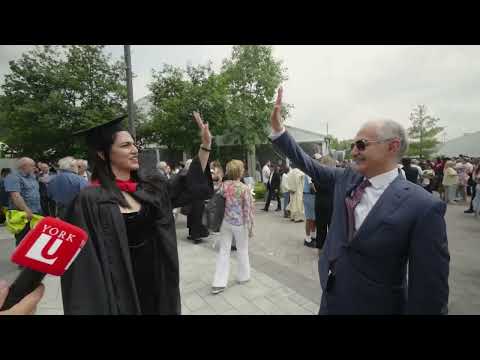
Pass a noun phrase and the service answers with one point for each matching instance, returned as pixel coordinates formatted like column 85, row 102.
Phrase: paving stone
column 290, row 307
column 194, row 302
column 193, row 286
column 206, row 310
column 267, row 306
column 268, row 281
column 280, row 292
column 312, row 307
column 234, row 299
column 298, row 299
column 251, row 293
column 231, row 312
column 250, row 309
column 218, row 303
column 185, row 311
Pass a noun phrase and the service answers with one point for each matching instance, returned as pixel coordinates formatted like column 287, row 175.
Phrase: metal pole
column 131, row 110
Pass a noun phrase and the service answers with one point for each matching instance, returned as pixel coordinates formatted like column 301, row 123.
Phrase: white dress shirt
column 276, row 134
column 266, row 174
column 372, row 194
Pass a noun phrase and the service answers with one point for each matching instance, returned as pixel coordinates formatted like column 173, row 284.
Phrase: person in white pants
column 237, row 223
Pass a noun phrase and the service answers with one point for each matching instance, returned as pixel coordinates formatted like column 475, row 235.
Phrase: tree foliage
column 423, row 133
column 236, row 102
column 175, row 94
column 252, row 76
column 53, row 91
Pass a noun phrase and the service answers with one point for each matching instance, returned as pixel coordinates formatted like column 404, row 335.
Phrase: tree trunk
column 251, row 160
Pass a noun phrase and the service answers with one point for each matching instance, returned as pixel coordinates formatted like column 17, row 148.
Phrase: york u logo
column 46, row 248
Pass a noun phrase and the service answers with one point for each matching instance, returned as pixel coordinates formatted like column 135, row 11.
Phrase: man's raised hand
column 277, row 125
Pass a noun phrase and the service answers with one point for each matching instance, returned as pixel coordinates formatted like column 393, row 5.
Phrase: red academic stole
column 124, row 185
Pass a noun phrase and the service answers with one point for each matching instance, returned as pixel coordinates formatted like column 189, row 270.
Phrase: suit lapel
column 389, row 201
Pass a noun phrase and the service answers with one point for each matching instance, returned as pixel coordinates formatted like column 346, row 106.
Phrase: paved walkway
column 284, row 272
column 263, row 295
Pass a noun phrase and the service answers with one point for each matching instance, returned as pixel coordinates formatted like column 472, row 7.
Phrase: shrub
column 260, row 190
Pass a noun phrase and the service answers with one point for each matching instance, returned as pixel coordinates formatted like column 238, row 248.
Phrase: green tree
column 236, row 102
column 336, row 144
column 252, row 76
column 53, row 91
column 423, row 133
column 176, row 93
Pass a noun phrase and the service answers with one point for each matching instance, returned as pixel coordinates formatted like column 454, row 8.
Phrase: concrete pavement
column 284, row 272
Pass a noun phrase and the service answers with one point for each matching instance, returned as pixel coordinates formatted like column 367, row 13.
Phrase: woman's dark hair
column 5, row 172
column 406, row 162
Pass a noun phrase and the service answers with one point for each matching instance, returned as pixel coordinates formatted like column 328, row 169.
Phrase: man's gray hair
column 161, row 165
column 67, row 163
column 388, row 129
column 23, row 161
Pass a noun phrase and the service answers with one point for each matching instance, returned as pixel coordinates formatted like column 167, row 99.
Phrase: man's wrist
column 277, row 133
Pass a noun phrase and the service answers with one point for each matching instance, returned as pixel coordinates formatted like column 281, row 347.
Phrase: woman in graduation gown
column 129, row 265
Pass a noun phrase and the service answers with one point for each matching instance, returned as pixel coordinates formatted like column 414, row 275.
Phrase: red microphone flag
column 50, row 247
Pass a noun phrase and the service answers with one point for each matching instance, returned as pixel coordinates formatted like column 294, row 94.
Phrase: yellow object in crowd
column 16, row 220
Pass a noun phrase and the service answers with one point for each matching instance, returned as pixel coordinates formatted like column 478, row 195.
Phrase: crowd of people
column 36, row 189
column 367, row 215
column 304, row 200
column 454, row 179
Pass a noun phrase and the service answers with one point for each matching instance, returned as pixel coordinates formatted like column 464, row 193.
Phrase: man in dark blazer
column 274, row 186
column 386, row 251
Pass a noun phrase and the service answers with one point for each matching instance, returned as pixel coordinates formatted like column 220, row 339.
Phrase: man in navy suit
column 386, row 251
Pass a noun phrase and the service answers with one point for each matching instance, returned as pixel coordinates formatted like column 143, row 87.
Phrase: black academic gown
column 101, row 281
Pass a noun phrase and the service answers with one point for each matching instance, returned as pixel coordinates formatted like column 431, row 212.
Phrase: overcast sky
column 342, row 85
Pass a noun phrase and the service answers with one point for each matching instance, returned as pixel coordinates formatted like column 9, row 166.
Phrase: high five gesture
column 277, row 125
column 205, row 131
column 206, row 137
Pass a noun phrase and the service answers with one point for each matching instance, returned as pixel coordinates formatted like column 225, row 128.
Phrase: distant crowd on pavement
column 456, row 180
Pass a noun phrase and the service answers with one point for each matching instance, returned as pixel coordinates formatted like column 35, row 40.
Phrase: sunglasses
column 363, row 143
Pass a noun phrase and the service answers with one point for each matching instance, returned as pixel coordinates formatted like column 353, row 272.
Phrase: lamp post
column 131, row 110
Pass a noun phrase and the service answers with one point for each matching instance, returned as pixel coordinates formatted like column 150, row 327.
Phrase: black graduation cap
column 98, row 135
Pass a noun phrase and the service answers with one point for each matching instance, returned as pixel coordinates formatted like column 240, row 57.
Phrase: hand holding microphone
column 49, row 248
column 27, row 306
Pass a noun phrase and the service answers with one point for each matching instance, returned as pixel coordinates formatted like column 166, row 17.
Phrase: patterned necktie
column 351, row 202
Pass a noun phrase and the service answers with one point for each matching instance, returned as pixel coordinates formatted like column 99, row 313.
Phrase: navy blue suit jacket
column 397, row 262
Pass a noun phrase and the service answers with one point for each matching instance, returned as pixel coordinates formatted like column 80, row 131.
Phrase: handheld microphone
column 49, row 248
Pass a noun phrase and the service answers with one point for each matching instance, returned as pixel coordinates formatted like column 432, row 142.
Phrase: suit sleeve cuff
column 276, row 134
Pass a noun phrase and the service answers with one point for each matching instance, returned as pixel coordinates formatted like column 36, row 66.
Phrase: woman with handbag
column 237, row 224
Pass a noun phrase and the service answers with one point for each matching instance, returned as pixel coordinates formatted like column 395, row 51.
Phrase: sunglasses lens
column 360, row 144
